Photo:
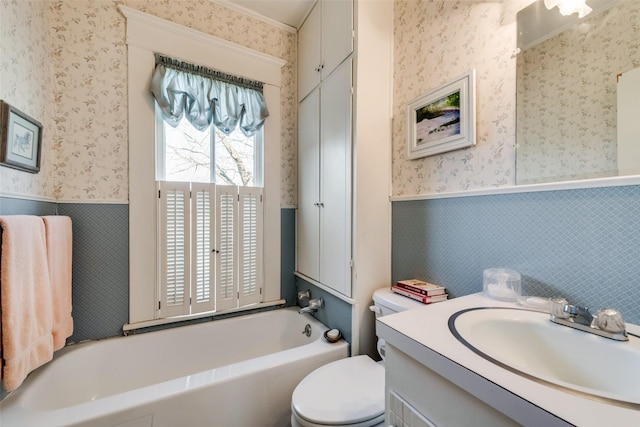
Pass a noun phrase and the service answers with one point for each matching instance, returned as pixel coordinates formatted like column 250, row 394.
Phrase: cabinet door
column 335, row 183
column 309, row 52
column 308, row 222
column 337, row 33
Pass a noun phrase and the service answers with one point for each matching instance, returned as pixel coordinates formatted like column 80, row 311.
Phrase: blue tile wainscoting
column 100, row 272
column 582, row 244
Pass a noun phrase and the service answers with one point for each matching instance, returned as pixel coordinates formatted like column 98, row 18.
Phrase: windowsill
column 128, row 328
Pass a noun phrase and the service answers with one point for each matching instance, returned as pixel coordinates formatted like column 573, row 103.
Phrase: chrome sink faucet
column 580, row 315
column 606, row 323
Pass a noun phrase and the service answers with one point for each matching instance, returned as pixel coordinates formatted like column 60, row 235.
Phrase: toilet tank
column 387, row 302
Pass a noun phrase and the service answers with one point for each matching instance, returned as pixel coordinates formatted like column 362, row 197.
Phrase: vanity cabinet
column 449, row 384
column 324, row 41
column 435, row 398
column 343, row 241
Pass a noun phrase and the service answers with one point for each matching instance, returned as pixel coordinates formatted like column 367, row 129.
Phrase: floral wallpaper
column 434, row 43
column 567, row 111
column 26, row 80
column 88, row 58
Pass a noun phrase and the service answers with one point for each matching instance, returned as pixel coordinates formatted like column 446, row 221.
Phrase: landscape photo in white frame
column 442, row 119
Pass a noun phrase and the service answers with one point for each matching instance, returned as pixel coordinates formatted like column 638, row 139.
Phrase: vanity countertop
column 424, row 335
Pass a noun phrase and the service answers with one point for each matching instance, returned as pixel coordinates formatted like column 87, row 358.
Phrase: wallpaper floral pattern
column 88, row 56
column 436, row 42
column 557, row 140
column 24, row 49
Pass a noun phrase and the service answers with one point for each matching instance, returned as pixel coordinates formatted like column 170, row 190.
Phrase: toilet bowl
column 348, row 392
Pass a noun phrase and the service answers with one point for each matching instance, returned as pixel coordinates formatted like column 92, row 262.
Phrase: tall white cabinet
column 344, row 154
column 324, row 159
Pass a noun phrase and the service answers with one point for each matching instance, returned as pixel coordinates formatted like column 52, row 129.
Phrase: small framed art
column 20, row 139
column 443, row 119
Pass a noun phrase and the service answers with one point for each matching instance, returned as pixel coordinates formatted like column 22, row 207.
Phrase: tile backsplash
column 582, row 244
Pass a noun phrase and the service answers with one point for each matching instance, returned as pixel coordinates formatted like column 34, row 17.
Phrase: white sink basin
column 528, row 343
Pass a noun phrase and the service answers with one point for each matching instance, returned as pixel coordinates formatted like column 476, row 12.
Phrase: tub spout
column 313, row 306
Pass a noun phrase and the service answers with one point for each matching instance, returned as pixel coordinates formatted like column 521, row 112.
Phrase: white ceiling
column 288, row 12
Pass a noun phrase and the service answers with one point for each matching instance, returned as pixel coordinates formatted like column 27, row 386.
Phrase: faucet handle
column 610, row 320
column 558, row 308
column 304, row 295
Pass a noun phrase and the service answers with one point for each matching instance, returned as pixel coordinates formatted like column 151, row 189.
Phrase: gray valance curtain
column 207, row 96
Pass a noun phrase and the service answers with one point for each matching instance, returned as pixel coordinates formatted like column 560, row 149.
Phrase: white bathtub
column 232, row 372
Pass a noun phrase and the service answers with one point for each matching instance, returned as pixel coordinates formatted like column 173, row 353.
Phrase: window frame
column 146, row 35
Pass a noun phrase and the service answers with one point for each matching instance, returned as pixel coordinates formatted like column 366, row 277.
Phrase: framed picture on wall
column 443, row 119
column 20, row 139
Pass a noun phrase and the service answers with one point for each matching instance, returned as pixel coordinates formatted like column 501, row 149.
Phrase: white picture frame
column 442, row 119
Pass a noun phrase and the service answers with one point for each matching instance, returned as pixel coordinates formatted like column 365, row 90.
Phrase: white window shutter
column 202, row 250
column 174, row 241
column 250, row 245
column 226, row 248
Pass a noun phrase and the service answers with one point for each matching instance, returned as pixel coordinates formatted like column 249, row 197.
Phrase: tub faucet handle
column 314, row 305
column 302, row 295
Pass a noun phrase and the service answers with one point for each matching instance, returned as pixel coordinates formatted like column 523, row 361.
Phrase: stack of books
column 418, row 290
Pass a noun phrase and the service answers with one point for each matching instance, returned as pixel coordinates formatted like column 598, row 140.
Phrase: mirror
column 578, row 93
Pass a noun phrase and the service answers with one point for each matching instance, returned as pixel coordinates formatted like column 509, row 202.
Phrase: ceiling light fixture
column 569, row 7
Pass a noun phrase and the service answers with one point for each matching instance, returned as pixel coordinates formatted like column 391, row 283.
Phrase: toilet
column 348, row 392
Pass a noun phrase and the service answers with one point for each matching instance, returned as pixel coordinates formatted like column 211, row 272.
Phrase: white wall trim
column 36, row 198
column 617, row 181
column 21, row 196
column 93, row 202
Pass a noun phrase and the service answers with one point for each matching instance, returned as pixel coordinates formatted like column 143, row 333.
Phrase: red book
column 419, row 297
column 421, row 287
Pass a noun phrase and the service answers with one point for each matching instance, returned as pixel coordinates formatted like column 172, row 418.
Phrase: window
column 187, row 154
column 209, row 179
column 147, row 34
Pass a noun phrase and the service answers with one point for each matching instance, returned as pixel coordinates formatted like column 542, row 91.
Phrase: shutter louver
column 211, row 247
column 203, row 262
column 174, row 218
column 250, row 249
column 226, row 226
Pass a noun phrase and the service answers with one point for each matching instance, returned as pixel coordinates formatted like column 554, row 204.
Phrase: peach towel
column 25, row 298
column 59, row 247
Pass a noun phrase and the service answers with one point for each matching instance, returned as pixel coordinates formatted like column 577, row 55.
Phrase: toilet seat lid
column 347, row 391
